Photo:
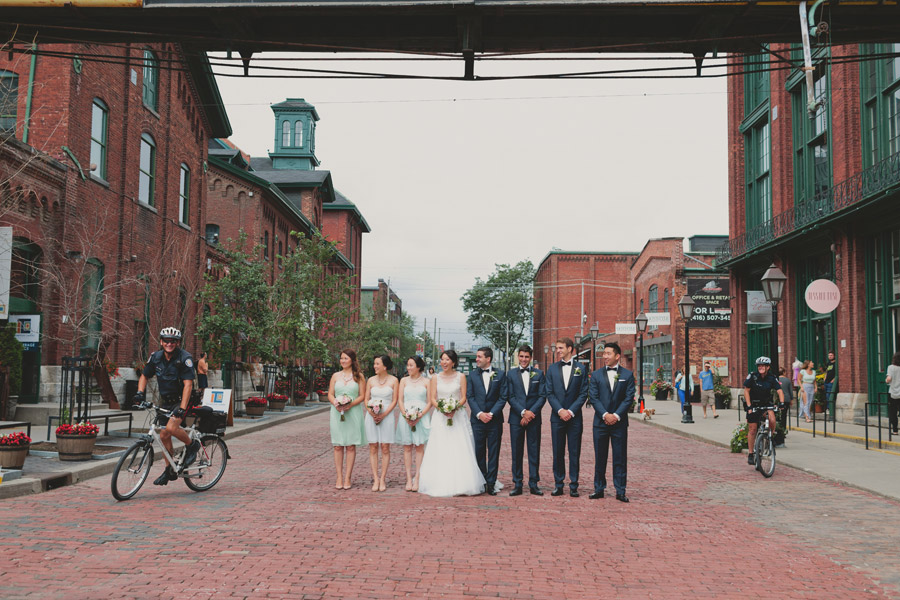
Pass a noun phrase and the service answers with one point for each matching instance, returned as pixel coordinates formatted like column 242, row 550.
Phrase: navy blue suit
column 571, row 398
column 487, row 435
column 617, row 400
column 520, row 400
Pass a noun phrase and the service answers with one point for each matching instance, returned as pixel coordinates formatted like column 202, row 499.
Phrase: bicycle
column 764, row 448
column 134, row 466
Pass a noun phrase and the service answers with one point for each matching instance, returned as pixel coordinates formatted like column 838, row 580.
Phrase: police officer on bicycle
column 758, row 388
column 174, row 371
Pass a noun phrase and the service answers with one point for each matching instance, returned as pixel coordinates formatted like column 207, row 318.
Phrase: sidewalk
column 835, row 458
column 43, row 473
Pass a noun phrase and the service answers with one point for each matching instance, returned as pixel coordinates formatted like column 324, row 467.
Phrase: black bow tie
column 521, row 370
column 612, row 368
column 485, row 370
column 566, row 364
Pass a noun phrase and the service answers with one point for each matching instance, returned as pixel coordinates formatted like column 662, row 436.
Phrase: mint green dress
column 350, row 431
column 414, row 396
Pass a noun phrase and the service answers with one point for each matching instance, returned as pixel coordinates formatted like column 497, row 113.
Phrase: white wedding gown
column 449, row 467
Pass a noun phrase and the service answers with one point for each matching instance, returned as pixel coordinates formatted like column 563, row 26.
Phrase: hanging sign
column 822, row 296
column 712, row 302
column 658, row 318
column 626, row 328
column 759, row 311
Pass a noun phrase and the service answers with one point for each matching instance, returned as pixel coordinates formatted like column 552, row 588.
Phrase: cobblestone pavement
column 701, row 523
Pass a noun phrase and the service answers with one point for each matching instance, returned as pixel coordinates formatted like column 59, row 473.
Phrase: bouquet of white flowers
column 341, row 403
column 448, row 406
column 375, row 405
column 411, row 415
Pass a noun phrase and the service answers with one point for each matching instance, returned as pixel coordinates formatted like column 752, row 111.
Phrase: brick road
column 701, row 523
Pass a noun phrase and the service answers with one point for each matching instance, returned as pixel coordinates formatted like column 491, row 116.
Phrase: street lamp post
column 546, row 351
column 686, row 308
column 641, row 322
column 773, row 281
column 506, row 326
column 595, row 335
column 577, row 345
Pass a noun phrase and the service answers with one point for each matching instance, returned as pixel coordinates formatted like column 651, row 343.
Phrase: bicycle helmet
column 170, row 332
column 764, row 360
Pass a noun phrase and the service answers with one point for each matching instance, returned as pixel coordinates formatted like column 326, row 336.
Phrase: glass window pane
column 145, row 156
column 895, row 264
column 878, row 279
column 879, row 340
column 9, row 95
column 298, row 133
column 97, row 122
column 894, row 121
column 286, row 134
column 144, row 188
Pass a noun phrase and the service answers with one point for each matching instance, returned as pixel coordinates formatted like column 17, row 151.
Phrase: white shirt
column 526, row 379
column 566, row 370
column 486, row 378
column 613, row 377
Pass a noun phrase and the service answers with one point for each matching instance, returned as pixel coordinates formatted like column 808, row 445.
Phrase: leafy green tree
column 240, row 320
column 502, row 304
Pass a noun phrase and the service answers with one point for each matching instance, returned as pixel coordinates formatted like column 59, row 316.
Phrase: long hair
column 354, row 365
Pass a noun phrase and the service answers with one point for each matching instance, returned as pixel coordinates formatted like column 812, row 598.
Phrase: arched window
column 286, row 134
column 151, row 80
column 212, row 233
column 99, row 129
column 9, row 98
column 653, row 300
column 184, row 195
column 298, row 133
column 147, row 183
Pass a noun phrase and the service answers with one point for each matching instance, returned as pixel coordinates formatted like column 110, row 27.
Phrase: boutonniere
column 532, row 374
column 493, row 375
column 577, row 371
column 616, row 378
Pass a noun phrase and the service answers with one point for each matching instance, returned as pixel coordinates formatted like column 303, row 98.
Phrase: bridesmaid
column 348, row 433
column 413, row 395
column 381, row 393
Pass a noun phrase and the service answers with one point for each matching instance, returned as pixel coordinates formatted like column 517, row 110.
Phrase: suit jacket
column 521, row 399
column 618, row 400
column 571, row 398
column 489, row 400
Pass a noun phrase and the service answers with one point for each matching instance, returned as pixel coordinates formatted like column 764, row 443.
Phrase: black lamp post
column 595, row 335
column 546, row 351
column 773, row 281
column 641, row 322
column 577, row 345
column 686, row 308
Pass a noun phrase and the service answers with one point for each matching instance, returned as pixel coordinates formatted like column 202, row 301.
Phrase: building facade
column 811, row 190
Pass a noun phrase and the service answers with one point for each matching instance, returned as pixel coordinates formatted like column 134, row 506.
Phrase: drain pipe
column 30, row 93
column 812, row 105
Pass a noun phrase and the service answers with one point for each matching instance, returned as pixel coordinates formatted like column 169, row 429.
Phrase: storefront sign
column 759, row 311
column 658, row 318
column 822, row 296
column 626, row 329
column 712, row 302
column 6, row 241
column 28, row 327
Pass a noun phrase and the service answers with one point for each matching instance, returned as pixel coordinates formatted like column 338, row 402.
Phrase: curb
column 44, row 482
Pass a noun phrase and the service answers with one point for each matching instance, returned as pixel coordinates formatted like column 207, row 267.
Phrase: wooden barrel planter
column 254, row 411
column 75, row 447
column 13, row 457
column 277, row 404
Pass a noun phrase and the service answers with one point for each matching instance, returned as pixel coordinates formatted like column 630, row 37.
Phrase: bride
column 449, row 467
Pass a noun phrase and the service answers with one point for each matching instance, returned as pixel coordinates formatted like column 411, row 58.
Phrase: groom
column 485, row 395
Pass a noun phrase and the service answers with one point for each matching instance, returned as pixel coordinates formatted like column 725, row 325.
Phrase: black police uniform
column 761, row 390
column 170, row 375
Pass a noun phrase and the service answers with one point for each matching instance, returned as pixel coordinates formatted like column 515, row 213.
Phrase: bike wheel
column 132, row 470
column 211, row 462
column 765, row 458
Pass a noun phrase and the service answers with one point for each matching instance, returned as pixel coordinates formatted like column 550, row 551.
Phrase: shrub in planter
column 739, row 438
column 276, row 401
column 76, row 442
column 255, row 406
column 13, row 450
column 660, row 389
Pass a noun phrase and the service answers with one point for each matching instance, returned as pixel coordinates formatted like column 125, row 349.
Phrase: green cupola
column 295, row 135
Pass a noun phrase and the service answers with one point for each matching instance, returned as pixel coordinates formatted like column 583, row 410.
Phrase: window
column 9, row 98
column 266, row 246
column 666, row 300
column 286, row 134
column 184, row 195
column 148, row 170
column 755, row 127
column 880, row 88
column 812, row 166
column 24, row 281
column 298, row 133
column 756, row 81
column 99, row 126
column 653, row 298
column 212, row 233
column 182, row 309
column 151, row 80
column 92, row 304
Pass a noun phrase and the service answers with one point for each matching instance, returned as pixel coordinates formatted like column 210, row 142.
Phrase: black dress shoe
column 574, row 493
column 516, row 492
column 167, row 475
column 557, row 492
column 536, row 491
column 490, row 490
column 622, row 498
column 596, row 495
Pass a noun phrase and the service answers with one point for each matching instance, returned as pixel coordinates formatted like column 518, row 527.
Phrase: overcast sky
column 455, row 176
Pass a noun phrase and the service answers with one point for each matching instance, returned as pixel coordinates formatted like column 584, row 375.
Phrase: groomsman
column 485, row 393
column 611, row 395
column 566, row 388
column 525, row 397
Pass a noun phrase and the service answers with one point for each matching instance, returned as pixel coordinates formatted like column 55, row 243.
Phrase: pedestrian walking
column 787, row 386
column 830, row 378
column 685, row 386
column 893, row 378
column 707, row 390
column 808, row 388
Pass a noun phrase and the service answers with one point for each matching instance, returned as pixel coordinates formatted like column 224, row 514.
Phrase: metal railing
column 75, row 396
column 879, row 404
column 876, row 179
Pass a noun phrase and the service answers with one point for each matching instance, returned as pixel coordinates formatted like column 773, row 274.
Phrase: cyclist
column 174, row 371
column 758, row 388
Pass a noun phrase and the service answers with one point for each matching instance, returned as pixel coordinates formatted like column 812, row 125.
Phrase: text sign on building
column 28, row 330
column 712, row 302
column 6, row 241
column 822, row 296
column 626, row 329
column 658, row 318
column 759, row 310
column 717, row 364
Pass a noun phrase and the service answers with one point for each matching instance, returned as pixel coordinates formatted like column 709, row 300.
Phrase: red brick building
column 343, row 223
column 814, row 193
column 101, row 176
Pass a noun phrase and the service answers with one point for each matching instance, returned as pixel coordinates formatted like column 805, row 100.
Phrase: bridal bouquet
column 375, row 405
column 448, row 406
column 411, row 415
column 341, row 402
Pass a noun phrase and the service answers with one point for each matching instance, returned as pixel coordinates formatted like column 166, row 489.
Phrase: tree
column 502, row 305
column 240, row 320
column 378, row 336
